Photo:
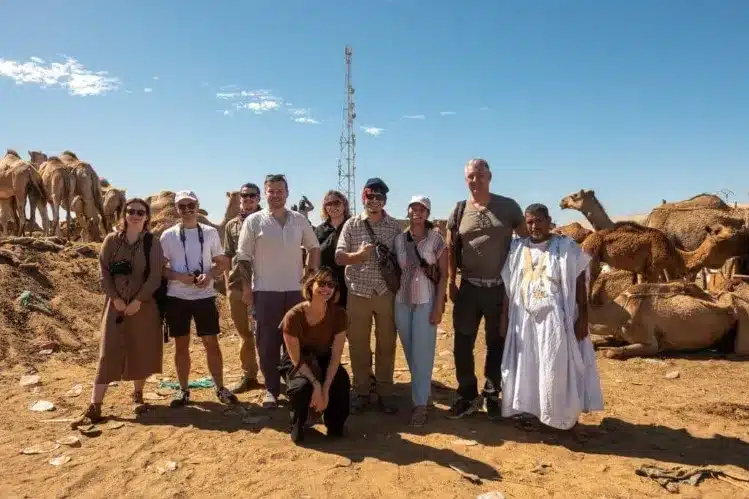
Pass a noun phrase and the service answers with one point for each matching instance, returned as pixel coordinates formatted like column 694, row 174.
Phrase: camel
column 586, row 203
column 574, row 231
column 6, row 213
column 232, row 210
column 677, row 316
column 58, row 182
column 19, row 180
column 682, row 221
column 650, row 254
column 113, row 202
column 86, row 184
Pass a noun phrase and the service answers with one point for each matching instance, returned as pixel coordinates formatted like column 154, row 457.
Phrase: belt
column 484, row 283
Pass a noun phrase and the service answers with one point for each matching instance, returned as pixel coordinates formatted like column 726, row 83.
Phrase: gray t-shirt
column 486, row 235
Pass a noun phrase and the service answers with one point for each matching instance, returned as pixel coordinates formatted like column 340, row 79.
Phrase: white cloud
column 70, row 74
column 128, row 91
column 414, row 117
column 148, row 90
column 447, row 113
column 373, row 130
column 262, row 106
column 309, row 121
column 303, row 116
column 155, row 78
column 483, row 108
column 262, row 101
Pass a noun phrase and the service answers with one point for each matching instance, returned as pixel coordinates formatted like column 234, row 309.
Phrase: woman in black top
column 334, row 213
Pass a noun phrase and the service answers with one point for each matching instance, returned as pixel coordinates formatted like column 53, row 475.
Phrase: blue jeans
column 419, row 339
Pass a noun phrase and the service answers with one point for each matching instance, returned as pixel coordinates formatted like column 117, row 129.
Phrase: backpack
column 160, row 294
column 457, row 243
column 389, row 268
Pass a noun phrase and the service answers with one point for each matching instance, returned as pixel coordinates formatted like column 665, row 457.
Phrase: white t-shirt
column 175, row 252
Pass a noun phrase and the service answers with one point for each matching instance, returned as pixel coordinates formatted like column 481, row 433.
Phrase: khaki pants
column 360, row 312
column 245, row 327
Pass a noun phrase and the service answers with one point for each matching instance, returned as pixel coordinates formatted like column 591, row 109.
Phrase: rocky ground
column 690, row 411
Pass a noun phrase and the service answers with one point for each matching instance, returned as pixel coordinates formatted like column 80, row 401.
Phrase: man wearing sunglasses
column 269, row 260
column 195, row 258
column 369, row 296
column 249, row 203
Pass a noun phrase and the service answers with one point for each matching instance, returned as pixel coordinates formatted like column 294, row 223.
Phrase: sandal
column 139, row 405
column 527, row 423
column 419, row 416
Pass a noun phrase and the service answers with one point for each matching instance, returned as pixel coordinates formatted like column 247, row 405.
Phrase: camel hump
column 12, row 152
column 70, row 153
column 104, row 182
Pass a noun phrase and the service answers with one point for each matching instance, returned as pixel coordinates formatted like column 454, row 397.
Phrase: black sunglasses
column 186, row 206
column 376, row 196
column 133, row 211
column 250, row 195
column 334, row 202
column 327, row 284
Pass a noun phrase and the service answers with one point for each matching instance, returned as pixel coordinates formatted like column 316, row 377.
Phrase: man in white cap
column 195, row 258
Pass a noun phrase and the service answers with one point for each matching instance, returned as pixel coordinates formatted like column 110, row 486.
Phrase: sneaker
column 493, row 408
column 270, row 401
column 245, row 384
column 463, row 407
column 388, row 404
column 180, row 398
column 139, row 405
column 419, row 416
column 359, row 403
column 226, row 397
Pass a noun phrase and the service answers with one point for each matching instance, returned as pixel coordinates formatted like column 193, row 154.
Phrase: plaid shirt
column 364, row 279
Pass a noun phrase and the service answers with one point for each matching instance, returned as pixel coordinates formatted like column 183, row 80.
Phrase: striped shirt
column 430, row 248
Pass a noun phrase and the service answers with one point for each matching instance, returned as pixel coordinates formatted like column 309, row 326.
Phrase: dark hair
column 276, row 177
column 318, row 276
column 250, row 185
column 537, row 209
column 122, row 225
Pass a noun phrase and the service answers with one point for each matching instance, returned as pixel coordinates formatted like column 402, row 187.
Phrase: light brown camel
column 585, row 202
column 232, row 210
column 574, row 231
column 682, row 221
column 18, row 181
column 58, row 182
column 677, row 316
column 649, row 253
column 6, row 214
column 114, row 202
column 86, row 185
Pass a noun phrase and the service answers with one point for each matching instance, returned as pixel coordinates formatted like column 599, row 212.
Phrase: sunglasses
column 375, row 197
column 186, row 206
column 327, row 284
column 248, row 195
column 335, row 202
column 134, row 212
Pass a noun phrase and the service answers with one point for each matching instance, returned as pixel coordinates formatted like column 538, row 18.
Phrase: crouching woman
column 314, row 332
column 131, row 264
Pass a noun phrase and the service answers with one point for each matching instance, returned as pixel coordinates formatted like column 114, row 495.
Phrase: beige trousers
column 361, row 311
column 246, row 329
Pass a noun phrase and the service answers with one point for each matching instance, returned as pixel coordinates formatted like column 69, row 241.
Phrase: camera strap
column 183, row 238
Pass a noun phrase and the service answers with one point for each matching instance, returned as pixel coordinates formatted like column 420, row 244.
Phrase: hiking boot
column 493, row 408
column 359, row 403
column 180, row 398
column 91, row 415
column 419, row 416
column 226, row 397
column 139, row 405
column 270, row 401
column 245, row 384
column 388, row 404
column 463, row 407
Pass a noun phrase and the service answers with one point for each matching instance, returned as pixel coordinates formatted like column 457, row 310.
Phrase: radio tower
column 347, row 158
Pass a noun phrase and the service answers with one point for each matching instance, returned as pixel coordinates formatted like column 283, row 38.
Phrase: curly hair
column 339, row 195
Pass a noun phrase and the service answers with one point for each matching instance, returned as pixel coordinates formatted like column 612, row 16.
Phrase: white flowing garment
column 546, row 371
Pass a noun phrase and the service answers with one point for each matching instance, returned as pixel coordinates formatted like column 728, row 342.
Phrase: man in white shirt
column 195, row 258
column 269, row 261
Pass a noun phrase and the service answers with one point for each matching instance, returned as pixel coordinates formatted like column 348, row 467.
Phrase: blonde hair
column 346, row 208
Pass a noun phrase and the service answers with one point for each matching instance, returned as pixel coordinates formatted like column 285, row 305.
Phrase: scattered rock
column 42, row 406
column 90, row 430
column 30, row 380
column 115, row 425
column 152, row 396
column 75, row 391
column 495, row 494
column 41, row 448
column 70, row 441
column 46, row 351
column 167, row 466
column 541, row 469
column 59, row 460
column 672, row 375
column 658, row 362
column 604, row 468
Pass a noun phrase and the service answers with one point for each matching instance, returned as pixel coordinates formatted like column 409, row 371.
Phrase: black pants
column 473, row 303
column 299, row 391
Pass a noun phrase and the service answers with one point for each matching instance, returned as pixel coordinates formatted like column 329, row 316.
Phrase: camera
column 121, row 267
column 195, row 274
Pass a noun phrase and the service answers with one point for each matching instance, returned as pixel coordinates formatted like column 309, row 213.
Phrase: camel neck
column 596, row 215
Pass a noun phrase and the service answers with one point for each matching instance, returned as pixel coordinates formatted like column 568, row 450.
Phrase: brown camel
column 114, row 202
column 58, row 182
column 682, row 221
column 677, row 316
column 586, row 203
column 19, row 181
column 232, row 210
column 650, row 254
column 86, row 184
column 574, row 231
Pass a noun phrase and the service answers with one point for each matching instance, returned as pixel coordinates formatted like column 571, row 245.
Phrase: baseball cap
column 422, row 200
column 182, row 195
column 377, row 184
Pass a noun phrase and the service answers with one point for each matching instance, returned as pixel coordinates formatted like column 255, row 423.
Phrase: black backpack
column 160, row 294
column 457, row 242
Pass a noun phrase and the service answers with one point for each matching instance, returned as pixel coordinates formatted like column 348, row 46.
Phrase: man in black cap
column 363, row 246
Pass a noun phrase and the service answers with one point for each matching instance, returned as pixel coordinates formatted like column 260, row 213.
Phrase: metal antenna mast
column 347, row 158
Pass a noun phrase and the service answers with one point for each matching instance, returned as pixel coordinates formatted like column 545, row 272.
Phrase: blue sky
column 639, row 100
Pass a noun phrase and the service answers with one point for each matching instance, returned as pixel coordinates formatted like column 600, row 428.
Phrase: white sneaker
column 270, row 401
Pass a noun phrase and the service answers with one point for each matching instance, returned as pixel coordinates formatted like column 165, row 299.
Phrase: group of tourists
column 297, row 293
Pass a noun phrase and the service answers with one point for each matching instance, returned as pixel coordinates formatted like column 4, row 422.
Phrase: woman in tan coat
column 131, row 338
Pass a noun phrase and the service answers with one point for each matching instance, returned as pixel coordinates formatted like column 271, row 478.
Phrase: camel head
column 232, row 205
column 37, row 157
column 720, row 232
column 104, row 183
column 576, row 200
column 12, row 152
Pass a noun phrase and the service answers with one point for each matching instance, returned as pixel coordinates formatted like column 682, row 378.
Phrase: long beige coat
column 131, row 346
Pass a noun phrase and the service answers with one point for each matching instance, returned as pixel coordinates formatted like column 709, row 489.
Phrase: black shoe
column 462, row 407
column 359, row 403
column 335, row 432
column 493, row 408
column 180, row 399
column 388, row 404
column 297, row 432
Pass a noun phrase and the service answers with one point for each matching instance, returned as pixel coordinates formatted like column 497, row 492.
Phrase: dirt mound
column 50, row 299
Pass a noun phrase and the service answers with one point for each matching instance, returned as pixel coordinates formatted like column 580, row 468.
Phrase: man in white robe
column 549, row 367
